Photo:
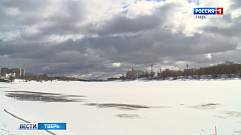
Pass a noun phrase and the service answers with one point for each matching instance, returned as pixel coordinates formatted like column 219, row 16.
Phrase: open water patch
column 43, row 96
column 119, row 106
column 206, row 106
column 3, row 87
column 228, row 114
column 233, row 113
column 238, row 132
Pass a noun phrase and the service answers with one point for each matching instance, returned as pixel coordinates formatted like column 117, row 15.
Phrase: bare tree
column 11, row 78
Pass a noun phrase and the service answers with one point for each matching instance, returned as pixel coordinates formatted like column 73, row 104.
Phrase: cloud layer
column 91, row 38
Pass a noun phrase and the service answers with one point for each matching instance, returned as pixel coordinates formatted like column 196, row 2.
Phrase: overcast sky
column 103, row 38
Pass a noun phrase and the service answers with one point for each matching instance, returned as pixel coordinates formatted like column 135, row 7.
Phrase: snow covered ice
column 124, row 108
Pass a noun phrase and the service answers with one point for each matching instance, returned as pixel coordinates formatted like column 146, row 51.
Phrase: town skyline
column 225, row 70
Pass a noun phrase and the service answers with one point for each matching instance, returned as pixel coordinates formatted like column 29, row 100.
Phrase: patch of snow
column 124, row 108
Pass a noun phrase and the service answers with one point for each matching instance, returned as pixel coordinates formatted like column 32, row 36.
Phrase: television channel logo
column 208, row 13
column 27, row 126
column 41, row 126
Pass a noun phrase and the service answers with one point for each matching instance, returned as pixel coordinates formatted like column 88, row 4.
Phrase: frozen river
column 124, row 108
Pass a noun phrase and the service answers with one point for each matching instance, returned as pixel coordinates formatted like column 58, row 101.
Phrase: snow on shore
column 124, row 108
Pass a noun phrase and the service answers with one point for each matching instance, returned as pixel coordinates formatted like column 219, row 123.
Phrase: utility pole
column 151, row 71
column 151, row 68
column 187, row 71
column 132, row 72
column 215, row 130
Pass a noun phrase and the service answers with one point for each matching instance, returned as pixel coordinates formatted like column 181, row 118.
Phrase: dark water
column 119, row 106
column 44, row 97
column 209, row 104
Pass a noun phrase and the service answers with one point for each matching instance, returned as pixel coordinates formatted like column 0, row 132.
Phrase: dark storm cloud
column 26, row 51
column 132, row 42
column 146, row 47
column 43, row 15
column 233, row 30
column 15, row 13
column 66, row 22
column 65, row 58
column 122, row 24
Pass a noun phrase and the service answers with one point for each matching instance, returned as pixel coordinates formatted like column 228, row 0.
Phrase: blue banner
column 51, row 126
column 205, row 11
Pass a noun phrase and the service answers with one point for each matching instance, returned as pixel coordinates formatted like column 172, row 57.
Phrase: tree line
column 224, row 70
column 44, row 77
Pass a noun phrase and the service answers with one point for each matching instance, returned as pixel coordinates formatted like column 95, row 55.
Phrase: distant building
column 133, row 74
column 5, row 71
column 19, row 72
column 11, row 74
column 16, row 72
column 2, row 77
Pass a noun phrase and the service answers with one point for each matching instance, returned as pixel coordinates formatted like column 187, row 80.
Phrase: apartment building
column 16, row 72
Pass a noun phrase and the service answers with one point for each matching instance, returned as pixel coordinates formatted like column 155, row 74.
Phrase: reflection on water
column 44, row 97
column 119, row 106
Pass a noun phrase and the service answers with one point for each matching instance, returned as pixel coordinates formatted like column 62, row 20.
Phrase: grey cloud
column 27, row 51
column 25, row 5
column 65, row 20
column 123, row 24
column 66, row 23
column 203, row 58
column 236, row 4
column 29, row 12
column 233, row 55
column 233, row 30
column 136, row 42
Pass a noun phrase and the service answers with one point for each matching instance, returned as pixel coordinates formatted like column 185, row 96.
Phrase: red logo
column 219, row 11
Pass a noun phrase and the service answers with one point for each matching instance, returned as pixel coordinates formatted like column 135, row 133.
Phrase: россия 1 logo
column 206, row 13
